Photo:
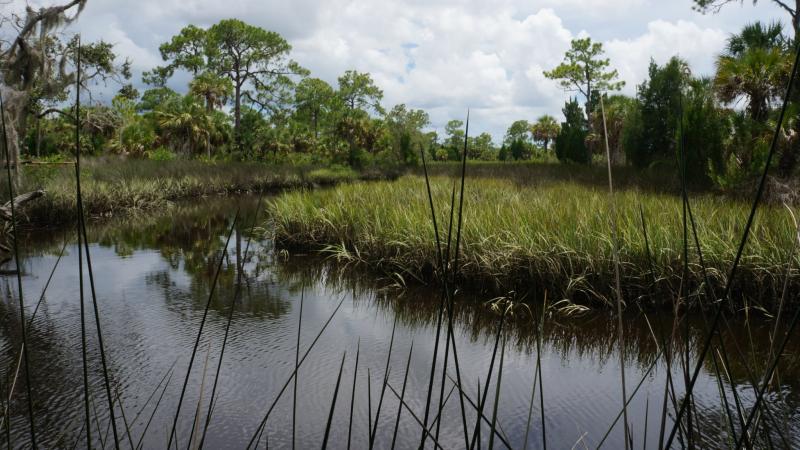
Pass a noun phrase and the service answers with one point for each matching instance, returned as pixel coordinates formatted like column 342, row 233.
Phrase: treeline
column 725, row 122
column 247, row 100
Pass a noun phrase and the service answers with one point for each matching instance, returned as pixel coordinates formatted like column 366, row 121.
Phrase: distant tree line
column 248, row 100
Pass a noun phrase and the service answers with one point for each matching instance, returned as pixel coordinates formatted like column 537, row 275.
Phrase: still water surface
column 153, row 275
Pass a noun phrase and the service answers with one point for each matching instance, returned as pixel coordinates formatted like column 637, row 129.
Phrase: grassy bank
column 112, row 185
column 660, row 179
column 552, row 235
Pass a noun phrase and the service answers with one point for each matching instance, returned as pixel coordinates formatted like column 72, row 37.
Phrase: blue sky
column 441, row 55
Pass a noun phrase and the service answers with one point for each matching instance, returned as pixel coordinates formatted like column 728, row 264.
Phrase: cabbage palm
column 187, row 122
column 752, row 68
column 546, row 129
column 215, row 90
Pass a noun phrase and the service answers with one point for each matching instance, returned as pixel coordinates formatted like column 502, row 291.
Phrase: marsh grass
column 657, row 179
column 555, row 235
column 112, row 186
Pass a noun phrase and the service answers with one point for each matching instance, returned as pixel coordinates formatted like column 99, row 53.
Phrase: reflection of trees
column 191, row 239
column 591, row 335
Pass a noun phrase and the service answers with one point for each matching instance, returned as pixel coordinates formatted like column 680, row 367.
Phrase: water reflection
column 154, row 275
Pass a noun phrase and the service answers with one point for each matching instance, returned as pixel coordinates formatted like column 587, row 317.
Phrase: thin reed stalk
column 90, row 271
column 333, row 403
column 155, row 409
column 416, row 418
column 200, row 329
column 263, row 422
column 743, row 243
column 482, row 401
column 497, row 393
column 297, row 367
column 4, row 404
column 14, row 237
column 498, row 431
column 402, row 396
column 353, row 394
column 618, row 284
column 451, row 292
column 229, row 321
column 440, row 311
column 374, row 429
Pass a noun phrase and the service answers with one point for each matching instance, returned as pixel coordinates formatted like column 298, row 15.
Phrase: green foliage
column 503, row 154
column 571, row 142
column 213, row 89
column 455, row 139
column 161, row 154
column 518, row 150
column 405, row 127
column 519, row 140
column 545, row 130
column 187, row 50
column 585, row 70
column 553, row 232
column 481, row 148
column 754, row 66
column 359, row 92
column 155, row 97
column 660, row 105
column 704, row 133
column 519, row 131
column 315, row 103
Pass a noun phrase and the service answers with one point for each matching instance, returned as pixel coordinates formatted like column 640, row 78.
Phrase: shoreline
column 115, row 186
column 548, row 237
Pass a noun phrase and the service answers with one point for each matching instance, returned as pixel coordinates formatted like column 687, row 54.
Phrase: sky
column 443, row 56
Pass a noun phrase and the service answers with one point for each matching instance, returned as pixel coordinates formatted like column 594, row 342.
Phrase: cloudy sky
column 441, row 55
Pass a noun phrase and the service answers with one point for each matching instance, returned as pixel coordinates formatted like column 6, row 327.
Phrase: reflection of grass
column 556, row 234
column 112, row 186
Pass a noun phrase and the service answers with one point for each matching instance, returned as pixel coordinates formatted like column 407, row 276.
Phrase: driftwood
column 5, row 215
column 5, row 210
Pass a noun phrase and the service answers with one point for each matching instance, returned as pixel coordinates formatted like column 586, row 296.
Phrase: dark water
column 153, row 275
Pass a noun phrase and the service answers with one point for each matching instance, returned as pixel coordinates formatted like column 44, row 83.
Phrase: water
column 153, row 274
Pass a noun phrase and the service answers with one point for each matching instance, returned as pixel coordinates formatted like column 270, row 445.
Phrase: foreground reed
column 556, row 235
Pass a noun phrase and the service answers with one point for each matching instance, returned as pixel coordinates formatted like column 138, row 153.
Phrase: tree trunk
column 38, row 137
column 316, row 118
column 796, row 20
column 788, row 161
column 237, row 111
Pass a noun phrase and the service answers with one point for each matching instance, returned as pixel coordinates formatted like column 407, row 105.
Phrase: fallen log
column 5, row 215
column 5, row 210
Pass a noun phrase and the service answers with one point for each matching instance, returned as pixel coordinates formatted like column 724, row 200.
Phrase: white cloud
column 662, row 41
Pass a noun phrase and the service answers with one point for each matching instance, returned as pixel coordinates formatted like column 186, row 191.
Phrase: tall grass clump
column 556, row 235
column 113, row 186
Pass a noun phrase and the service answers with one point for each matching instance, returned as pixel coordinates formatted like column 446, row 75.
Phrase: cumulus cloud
column 662, row 41
column 445, row 55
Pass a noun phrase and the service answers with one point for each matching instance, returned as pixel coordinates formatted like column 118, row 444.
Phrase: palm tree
column 752, row 67
column 545, row 130
column 187, row 122
column 215, row 90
